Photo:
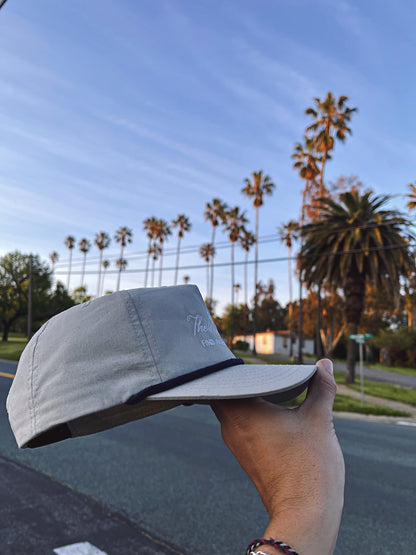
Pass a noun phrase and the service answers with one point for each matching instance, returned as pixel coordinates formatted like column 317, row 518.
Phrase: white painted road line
column 404, row 423
column 83, row 548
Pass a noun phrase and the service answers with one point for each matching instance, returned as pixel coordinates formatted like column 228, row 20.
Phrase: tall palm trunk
column 161, row 265
column 232, row 295
column 69, row 270
column 99, row 273
column 147, row 262
column 119, row 270
column 245, row 294
column 255, row 279
column 289, row 251
column 153, row 270
column 302, row 223
column 207, row 278
column 102, row 282
column 177, row 260
column 354, row 291
column 83, row 269
column 211, row 291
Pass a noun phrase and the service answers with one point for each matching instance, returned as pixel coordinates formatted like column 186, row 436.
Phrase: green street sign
column 360, row 336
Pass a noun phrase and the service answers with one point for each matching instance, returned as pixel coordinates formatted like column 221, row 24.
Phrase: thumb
column 322, row 389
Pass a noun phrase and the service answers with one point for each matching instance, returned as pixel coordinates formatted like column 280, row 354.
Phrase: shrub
column 240, row 345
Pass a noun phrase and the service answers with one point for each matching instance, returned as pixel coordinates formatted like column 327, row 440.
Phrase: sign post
column 360, row 339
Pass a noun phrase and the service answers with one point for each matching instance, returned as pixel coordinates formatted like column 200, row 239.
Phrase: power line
column 220, row 245
column 242, row 262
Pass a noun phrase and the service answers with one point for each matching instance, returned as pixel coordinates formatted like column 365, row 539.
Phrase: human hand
column 295, row 461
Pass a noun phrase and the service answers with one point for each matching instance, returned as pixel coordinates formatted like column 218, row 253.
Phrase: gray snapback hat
column 128, row 355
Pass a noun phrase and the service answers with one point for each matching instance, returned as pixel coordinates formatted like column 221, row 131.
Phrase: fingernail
column 327, row 365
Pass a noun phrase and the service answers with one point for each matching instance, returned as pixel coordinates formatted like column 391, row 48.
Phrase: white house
column 277, row 342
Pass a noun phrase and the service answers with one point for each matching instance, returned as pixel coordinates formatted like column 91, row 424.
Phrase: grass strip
column 387, row 391
column 395, row 369
column 12, row 349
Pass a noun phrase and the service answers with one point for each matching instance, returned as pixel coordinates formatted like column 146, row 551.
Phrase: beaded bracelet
column 284, row 548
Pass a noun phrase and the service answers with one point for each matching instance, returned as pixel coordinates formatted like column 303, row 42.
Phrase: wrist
column 307, row 532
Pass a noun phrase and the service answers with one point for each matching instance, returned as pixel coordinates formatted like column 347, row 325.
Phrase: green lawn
column 12, row 349
column 344, row 403
column 387, row 391
column 395, row 369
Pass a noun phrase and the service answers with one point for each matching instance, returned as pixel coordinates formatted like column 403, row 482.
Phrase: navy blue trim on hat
column 180, row 380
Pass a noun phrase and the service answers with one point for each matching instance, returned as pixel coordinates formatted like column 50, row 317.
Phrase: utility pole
column 29, row 300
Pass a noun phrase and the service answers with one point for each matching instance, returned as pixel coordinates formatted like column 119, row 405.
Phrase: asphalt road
column 172, row 476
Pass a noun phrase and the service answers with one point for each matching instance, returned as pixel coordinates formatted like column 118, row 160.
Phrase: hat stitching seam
column 32, row 386
column 134, row 308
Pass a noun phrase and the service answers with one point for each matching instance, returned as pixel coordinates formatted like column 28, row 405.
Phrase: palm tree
column 102, row 241
column 411, row 205
column 289, row 232
column 183, row 224
column 246, row 242
column 124, row 235
column 70, row 244
column 84, row 246
column 207, row 253
column 106, row 264
column 186, row 279
column 155, row 251
column 331, row 117
column 121, row 264
column 150, row 225
column 162, row 233
column 256, row 189
column 307, row 163
column 54, row 257
column 354, row 242
column 234, row 223
column 237, row 288
column 214, row 213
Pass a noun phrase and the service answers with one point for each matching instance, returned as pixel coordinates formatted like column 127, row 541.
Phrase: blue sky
column 113, row 111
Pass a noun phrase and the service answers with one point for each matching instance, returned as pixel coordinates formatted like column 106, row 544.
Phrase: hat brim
column 246, row 380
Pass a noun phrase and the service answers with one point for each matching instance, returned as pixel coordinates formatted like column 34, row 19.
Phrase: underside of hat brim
column 246, row 380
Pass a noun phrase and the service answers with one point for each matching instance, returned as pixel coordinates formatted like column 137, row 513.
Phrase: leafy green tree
column 14, row 289
column 233, row 320
column 355, row 242
column 79, row 295
column 399, row 345
column 271, row 315
column 256, row 189
column 59, row 300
